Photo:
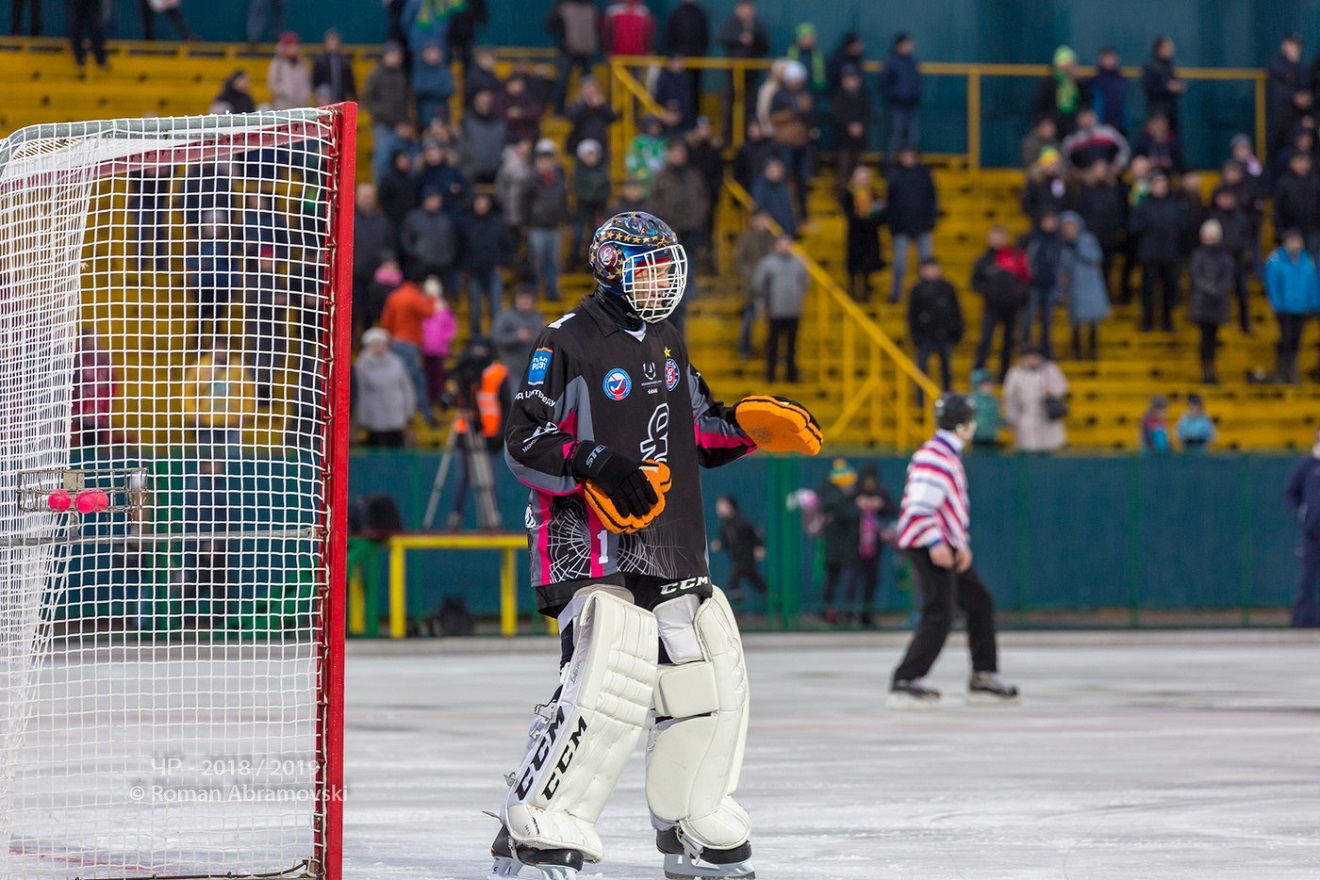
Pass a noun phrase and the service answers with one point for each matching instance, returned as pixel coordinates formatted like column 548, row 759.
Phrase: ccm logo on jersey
column 618, row 384
column 543, row 752
column 539, row 366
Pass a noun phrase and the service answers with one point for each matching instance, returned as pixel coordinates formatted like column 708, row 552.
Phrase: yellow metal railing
column 974, row 74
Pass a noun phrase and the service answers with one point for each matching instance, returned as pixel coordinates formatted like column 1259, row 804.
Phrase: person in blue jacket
column 1294, row 291
column 1302, row 495
column 900, row 82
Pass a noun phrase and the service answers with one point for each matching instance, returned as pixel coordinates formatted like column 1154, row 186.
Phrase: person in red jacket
column 1001, row 275
column 628, row 28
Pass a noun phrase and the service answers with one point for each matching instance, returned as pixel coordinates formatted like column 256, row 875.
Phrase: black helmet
column 954, row 409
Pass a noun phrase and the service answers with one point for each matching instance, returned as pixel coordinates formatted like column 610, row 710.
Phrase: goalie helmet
column 953, row 409
column 637, row 256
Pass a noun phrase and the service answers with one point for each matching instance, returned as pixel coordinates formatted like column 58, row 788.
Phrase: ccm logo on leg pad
column 547, row 745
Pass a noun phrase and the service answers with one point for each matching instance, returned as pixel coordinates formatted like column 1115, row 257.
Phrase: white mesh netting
column 166, row 327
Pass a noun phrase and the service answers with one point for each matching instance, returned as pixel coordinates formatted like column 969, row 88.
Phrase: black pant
column 865, row 581
column 1290, row 333
column 385, row 438
column 85, row 18
column 1094, row 353
column 1209, row 342
column 1243, row 295
column 1166, row 275
column 745, row 570
column 942, row 349
column 989, row 320
column 176, row 18
column 787, row 329
column 834, row 572
column 16, row 17
column 941, row 589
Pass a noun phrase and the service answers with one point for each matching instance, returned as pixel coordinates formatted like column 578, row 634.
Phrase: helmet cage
column 654, row 281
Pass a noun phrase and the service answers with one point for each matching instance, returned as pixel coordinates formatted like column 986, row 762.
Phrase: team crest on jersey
column 618, row 384
column 671, row 373
column 539, row 366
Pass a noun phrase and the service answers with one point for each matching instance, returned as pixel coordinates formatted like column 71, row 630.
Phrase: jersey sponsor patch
column 617, row 384
column 539, row 366
column 671, row 373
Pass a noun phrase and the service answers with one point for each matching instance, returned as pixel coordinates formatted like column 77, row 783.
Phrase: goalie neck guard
column 637, row 256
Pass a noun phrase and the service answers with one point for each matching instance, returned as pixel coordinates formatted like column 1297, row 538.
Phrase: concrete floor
column 1134, row 756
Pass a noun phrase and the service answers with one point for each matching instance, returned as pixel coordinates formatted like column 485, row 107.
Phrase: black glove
column 617, row 475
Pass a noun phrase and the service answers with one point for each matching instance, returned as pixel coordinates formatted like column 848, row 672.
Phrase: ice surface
column 1135, row 756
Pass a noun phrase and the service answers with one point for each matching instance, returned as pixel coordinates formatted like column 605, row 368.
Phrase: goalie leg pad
column 572, row 766
column 695, row 756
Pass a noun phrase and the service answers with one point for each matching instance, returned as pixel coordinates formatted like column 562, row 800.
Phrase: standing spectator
column 1294, row 292
column 385, row 97
column 1191, row 214
column 632, row 197
column 591, row 194
column 219, row 397
column 1000, row 276
column 900, row 83
column 1033, row 393
column 687, row 33
column 384, row 399
column 757, row 149
column 1042, row 246
column 438, row 332
column 1302, row 495
column 514, row 332
column 754, row 243
column 591, row 116
column 793, row 116
column 439, row 171
column 428, row 21
column 1083, row 282
column 865, row 213
column 743, row 36
column 745, row 545
column 93, row 392
column 1237, row 228
column 628, row 28
column 1136, row 188
column 481, row 75
column 673, row 92
column 334, row 70
column 850, row 108
column 487, row 247
column 1155, row 427
column 85, row 21
column 373, row 238
column 397, row 191
column 432, row 85
column 1108, row 92
column 988, row 419
column 213, row 271
column 463, row 31
column 770, row 193
column 838, row 507
column 511, row 181
column 1297, row 200
column 1044, row 133
column 1156, row 226
column 935, row 319
column 483, row 136
column 289, row 78
column 1160, row 82
column 933, row 526
column 1092, row 142
column 874, row 528
column 16, row 17
column 850, row 53
column 236, row 93
column 264, row 16
column 575, row 26
column 428, row 239
column 1046, row 190
column 808, row 53
column 679, row 197
column 405, row 311
column 545, row 210
column 1288, row 75
column 706, row 154
column 522, row 110
column 1060, row 93
column 1196, row 430
column 173, row 9
column 781, row 282
column 387, row 279
column 1212, row 270
column 1160, row 144
column 1100, row 202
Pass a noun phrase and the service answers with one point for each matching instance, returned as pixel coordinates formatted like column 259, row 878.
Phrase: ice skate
column 915, row 694
column 548, row 864
column 990, row 689
column 683, row 862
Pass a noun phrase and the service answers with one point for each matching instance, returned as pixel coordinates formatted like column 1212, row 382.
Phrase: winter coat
column 1082, row 277
column 1044, row 193
column 751, row 247
column 863, row 254
column 740, row 539
column 373, row 234
column 842, row 516
column 1042, row 249
column 486, row 242
column 1191, row 214
column 1238, row 231
column 1157, row 225
column 781, row 281
column 1286, row 78
column 429, row 240
column 792, row 115
column 504, row 336
column 1165, row 155
column 911, row 201
column 1297, row 203
column 525, row 124
column 1004, row 290
column 687, row 31
column 900, row 81
column 575, row 25
column 1302, row 495
column 628, row 29
column 483, row 139
column 1101, row 142
column 1291, row 284
column 476, row 79
column 219, row 395
column 1045, row 103
column 335, row 71
column 397, row 193
column 591, row 184
column 239, row 102
column 1156, row 75
column 934, row 313
column 673, row 92
column 545, row 201
column 1024, row 406
column 385, row 95
column 449, row 181
column 290, row 84
column 1213, row 269
column 438, row 332
column 432, row 82
column 1103, row 208
column 589, row 123
column 750, row 160
column 730, row 37
column 385, row 397
column 510, row 182
column 406, row 308
column 1108, row 89
column 848, row 108
column 777, row 200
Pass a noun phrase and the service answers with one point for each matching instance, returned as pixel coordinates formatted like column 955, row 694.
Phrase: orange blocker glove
column 778, row 424
column 626, row 494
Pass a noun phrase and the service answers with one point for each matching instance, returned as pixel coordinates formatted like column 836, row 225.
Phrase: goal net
column 173, row 428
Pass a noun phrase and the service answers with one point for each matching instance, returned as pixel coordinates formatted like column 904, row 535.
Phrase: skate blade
column 908, row 702
column 504, row 868
column 680, row 867
column 981, row 698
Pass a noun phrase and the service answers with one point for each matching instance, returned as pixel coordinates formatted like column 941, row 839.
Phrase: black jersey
column 590, row 380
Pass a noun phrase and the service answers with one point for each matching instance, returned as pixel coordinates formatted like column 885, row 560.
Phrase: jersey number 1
column 603, row 537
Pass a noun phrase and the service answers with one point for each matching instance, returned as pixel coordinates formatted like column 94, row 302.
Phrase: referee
column 933, row 533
